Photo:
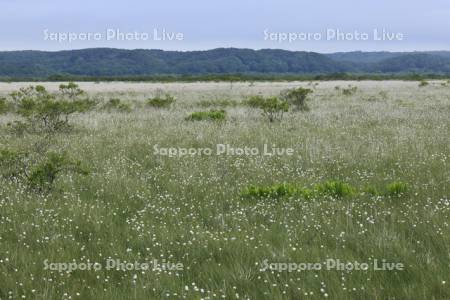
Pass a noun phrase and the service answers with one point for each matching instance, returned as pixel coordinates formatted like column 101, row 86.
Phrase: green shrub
column 272, row 107
column 44, row 111
column 297, row 97
column 212, row 115
column 396, row 189
column 43, row 175
column 165, row 101
column 253, row 101
column 38, row 170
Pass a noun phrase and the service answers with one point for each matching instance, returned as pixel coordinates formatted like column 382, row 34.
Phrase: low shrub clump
column 297, row 98
column 212, row 115
column 38, row 170
column 273, row 108
column 42, row 176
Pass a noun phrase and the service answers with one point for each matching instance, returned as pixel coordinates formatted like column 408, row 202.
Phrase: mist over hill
column 120, row 62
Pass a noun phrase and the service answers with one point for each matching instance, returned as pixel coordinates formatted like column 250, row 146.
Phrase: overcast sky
column 313, row 25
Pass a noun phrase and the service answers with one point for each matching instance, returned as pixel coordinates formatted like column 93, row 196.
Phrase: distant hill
column 362, row 57
column 374, row 57
column 417, row 63
column 119, row 62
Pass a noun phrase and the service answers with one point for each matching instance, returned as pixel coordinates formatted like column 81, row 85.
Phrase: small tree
column 39, row 171
column 43, row 175
column 297, row 97
column 43, row 111
column 70, row 90
column 272, row 107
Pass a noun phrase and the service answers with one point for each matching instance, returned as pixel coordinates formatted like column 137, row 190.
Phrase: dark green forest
column 119, row 63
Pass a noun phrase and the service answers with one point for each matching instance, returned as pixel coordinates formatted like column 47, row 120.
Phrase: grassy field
column 137, row 205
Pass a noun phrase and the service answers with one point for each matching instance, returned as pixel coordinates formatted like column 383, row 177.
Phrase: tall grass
column 135, row 205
